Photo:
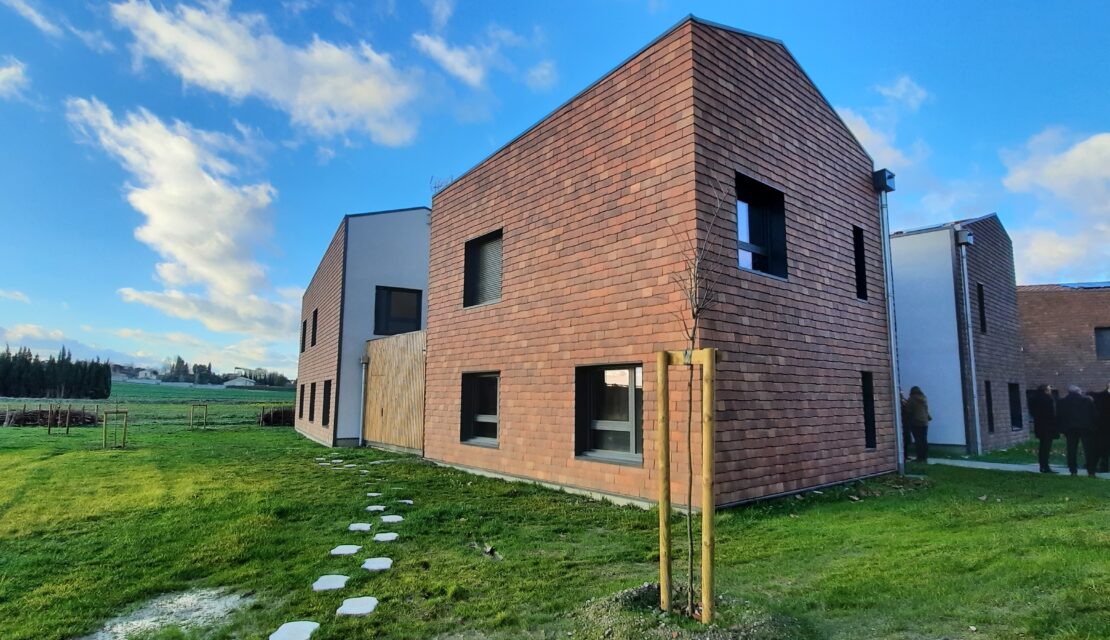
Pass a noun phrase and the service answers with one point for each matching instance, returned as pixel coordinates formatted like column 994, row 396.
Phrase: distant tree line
column 178, row 370
column 25, row 375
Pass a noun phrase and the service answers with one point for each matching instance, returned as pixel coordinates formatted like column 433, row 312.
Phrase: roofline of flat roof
column 378, row 213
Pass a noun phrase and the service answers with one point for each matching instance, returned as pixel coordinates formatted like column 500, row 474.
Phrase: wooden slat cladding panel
column 393, row 412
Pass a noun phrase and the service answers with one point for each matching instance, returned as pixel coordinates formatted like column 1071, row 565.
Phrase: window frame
column 989, row 396
column 859, row 248
column 300, row 413
column 388, row 329
column 586, row 424
column 471, row 251
column 304, row 333
column 314, row 317
column 325, row 408
column 469, row 414
column 1101, row 354
column 867, row 391
column 312, row 402
column 768, row 221
column 981, row 298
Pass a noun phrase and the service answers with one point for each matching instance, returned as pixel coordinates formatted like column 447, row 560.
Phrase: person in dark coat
column 1102, row 429
column 1042, row 406
column 1075, row 416
column 907, row 437
column 917, row 417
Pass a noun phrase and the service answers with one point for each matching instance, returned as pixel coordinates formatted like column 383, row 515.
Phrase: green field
column 85, row 534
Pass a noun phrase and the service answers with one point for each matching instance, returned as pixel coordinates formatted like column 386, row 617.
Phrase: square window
column 760, row 227
column 482, row 270
column 609, row 411
column 480, row 403
column 396, row 310
column 1102, row 343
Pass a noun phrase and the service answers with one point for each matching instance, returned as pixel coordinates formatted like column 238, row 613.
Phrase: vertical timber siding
column 393, row 411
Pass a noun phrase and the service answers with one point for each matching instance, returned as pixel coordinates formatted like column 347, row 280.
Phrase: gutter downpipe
column 365, row 362
column 964, row 238
column 892, row 333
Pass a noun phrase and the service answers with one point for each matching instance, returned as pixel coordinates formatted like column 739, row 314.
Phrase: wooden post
column 69, row 409
column 123, row 444
column 190, row 417
column 663, row 468
column 49, row 415
column 708, row 503
column 105, row 445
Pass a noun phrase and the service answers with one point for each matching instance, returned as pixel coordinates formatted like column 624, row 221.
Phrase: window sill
column 488, row 443
column 762, row 273
column 609, row 457
column 488, row 303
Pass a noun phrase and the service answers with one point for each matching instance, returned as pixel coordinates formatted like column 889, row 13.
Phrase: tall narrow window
column 1102, row 343
column 609, row 411
column 304, row 333
column 300, row 412
column 990, row 405
column 867, row 382
column 760, row 227
column 314, row 312
column 982, row 307
column 325, row 415
column 482, row 270
column 312, row 402
column 1017, row 422
column 861, row 263
column 396, row 310
column 480, row 402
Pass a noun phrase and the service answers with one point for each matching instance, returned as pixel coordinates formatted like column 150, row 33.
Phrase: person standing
column 1075, row 416
column 1042, row 406
column 907, row 438
column 917, row 416
column 1102, row 429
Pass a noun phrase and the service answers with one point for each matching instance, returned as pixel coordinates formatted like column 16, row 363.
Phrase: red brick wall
column 321, row 362
column 590, row 201
column 790, row 412
column 1058, row 334
column 998, row 355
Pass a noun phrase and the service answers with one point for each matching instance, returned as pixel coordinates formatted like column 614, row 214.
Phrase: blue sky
column 171, row 174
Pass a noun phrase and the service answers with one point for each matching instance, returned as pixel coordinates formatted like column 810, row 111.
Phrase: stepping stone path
column 377, row 564
column 359, row 526
column 375, row 507
column 373, row 494
column 357, row 606
column 405, row 501
column 364, row 471
column 299, row 630
column 392, row 519
column 350, row 466
column 385, row 537
column 337, row 460
column 330, row 583
column 345, row 550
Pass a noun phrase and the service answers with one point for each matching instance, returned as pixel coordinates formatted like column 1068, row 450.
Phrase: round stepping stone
column 345, row 550
column 375, row 507
column 392, row 519
column 357, row 606
column 330, row 583
column 377, row 564
column 373, row 494
column 359, row 526
column 299, row 630
column 405, row 501
column 385, row 537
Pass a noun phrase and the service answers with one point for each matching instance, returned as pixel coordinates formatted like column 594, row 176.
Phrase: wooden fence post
column 708, row 469
column 663, row 426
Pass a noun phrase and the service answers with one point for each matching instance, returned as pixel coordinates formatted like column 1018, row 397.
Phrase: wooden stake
column 69, row 409
column 663, row 468
column 708, row 503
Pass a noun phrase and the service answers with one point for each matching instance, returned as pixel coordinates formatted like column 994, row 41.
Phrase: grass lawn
column 85, row 533
column 1020, row 453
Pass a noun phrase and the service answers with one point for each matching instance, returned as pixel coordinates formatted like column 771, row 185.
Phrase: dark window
column 867, row 381
column 312, row 402
column 482, row 270
column 609, row 411
column 326, row 407
column 396, row 310
column 982, row 307
column 1016, row 421
column 990, row 406
column 479, row 407
column 760, row 227
column 861, row 263
column 304, row 333
column 314, row 326
column 300, row 413
column 1102, row 343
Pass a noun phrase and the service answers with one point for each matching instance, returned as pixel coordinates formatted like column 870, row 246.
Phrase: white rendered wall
column 383, row 249
column 928, row 338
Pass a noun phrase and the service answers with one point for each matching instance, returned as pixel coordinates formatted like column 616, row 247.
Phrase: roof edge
column 384, row 211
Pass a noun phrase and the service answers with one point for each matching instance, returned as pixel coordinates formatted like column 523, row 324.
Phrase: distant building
column 975, row 396
column 239, row 382
column 1065, row 333
column 146, row 374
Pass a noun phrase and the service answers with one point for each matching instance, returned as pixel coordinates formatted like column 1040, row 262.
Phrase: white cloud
column 880, row 144
column 94, row 40
column 326, row 88
column 1069, row 175
column 171, row 338
column 904, row 91
column 45, row 342
column 441, row 11
column 22, row 332
column 17, row 296
column 542, row 77
column 31, row 13
column 13, row 77
column 202, row 223
column 465, row 63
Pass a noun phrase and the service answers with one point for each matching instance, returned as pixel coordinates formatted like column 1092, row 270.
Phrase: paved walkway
column 998, row 466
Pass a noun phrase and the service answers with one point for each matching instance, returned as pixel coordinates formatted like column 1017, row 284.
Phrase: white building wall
column 928, row 338
column 383, row 249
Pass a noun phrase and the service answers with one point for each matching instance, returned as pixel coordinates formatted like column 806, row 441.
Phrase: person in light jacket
column 917, row 418
column 1042, row 406
column 1075, row 416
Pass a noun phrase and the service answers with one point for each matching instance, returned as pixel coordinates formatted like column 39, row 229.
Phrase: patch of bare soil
column 199, row 608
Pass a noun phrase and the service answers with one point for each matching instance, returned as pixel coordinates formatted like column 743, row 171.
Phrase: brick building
column 976, row 396
column 552, row 281
column 371, row 282
column 1065, row 333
